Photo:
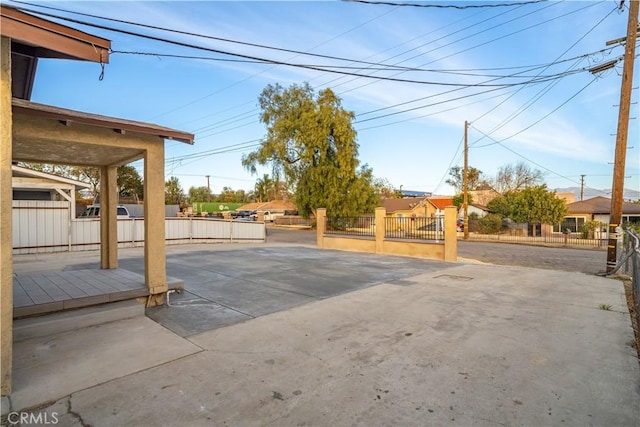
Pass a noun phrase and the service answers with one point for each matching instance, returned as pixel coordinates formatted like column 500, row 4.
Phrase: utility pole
column 208, row 189
column 465, row 183
column 582, row 187
column 621, row 137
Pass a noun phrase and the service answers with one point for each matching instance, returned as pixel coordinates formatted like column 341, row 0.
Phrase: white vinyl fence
column 44, row 226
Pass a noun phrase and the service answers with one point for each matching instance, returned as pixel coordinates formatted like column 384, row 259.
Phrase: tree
column 474, row 178
column 199, row 194
column 173, row 192
column 312, row 144
column 384, row 189
column 534, row 205
column 458, row 200
column 90, row 175
column 515, row 177
column 129, row 182
column 228, row 195
column 264, row 188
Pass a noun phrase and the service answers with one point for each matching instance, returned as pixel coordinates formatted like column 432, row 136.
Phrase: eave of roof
column 18, row 171
column 21, row 106
column 50, row 39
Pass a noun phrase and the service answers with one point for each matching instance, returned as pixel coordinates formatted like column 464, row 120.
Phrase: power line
column 445, row 6
column 187, row 33
column 263, row 60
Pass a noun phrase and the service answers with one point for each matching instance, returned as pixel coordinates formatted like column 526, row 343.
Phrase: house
column 596, row 209
column 418, row 207
column 474, row 209
column 483, row 197
column 29, row 184
column 32, row 132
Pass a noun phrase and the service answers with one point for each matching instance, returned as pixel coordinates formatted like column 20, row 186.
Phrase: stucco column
column 321, row 219
column 155, row 272
column 6, row 260
column 450, row 234
column 381, row 224
column 108, row 217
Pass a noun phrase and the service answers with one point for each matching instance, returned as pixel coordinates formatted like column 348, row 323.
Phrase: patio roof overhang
column 48, row 134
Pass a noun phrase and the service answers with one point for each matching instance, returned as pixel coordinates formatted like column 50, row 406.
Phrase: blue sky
column 409, row 133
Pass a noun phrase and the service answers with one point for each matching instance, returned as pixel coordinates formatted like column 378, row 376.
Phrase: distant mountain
column 628, row 194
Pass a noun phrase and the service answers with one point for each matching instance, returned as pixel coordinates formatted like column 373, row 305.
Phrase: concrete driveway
column 229, row 285
column 316, row 337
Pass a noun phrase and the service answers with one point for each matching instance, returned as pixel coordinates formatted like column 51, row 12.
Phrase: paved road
column 590, row 261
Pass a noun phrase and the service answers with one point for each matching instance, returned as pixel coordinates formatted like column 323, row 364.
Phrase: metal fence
column 629, row 264
column 351, row 226
column 540, row 234
column 46, row 226
column 423, row 228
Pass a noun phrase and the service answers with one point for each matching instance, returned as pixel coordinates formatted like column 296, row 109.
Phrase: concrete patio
column 432, row 344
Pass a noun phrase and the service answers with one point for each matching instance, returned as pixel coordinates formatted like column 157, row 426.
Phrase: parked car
column 267, row 216
column 242, row 215
column 93, row 211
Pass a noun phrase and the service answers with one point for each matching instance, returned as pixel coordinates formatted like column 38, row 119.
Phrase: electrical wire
column 445, row 6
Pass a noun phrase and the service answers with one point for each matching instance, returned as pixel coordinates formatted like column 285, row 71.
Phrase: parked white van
column 93, row 211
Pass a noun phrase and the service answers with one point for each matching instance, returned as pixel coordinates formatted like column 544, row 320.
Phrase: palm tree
column 264, row 188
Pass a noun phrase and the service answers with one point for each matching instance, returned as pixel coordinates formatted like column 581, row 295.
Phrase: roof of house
column 119, row 125
column 411, row 193
column 393, row 205
column 33, row 37
column 441, row 202
column 600, row 205
column 20, row 172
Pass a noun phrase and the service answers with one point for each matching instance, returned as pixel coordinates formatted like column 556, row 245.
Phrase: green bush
column 490, row 224
column 588, row 228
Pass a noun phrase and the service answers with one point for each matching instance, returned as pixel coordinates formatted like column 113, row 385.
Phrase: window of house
column 631, row 219
column 571, row 223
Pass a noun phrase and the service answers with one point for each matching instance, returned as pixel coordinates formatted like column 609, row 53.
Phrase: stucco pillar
column 6, row 260
column 321, row 219
column 381, row 224
column 108, row 217
column 155, row 272
column 450, row 234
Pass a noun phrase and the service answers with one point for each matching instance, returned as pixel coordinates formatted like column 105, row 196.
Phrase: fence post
column 321, row 219
column 450, row 234
column 381, row 224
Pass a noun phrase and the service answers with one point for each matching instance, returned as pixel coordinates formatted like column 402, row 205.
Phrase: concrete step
column 65, row 321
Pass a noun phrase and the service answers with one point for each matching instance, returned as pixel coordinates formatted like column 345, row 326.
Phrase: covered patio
column 32, row 132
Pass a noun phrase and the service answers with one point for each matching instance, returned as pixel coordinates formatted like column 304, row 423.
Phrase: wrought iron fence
column 423, row 228
column 528, row 233
column 351, row 226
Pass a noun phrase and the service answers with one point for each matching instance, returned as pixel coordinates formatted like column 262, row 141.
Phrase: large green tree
column 534, row 205
column 311, row 142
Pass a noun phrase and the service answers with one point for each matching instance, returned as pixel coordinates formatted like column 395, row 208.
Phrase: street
column 590, row 261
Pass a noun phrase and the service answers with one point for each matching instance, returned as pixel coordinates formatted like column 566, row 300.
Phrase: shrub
column 491, row 224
